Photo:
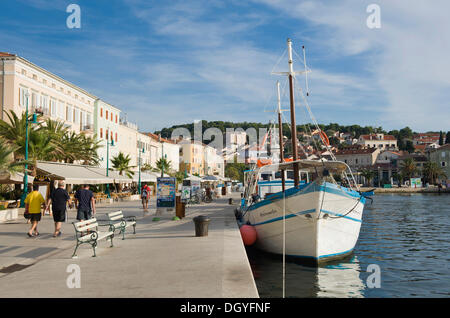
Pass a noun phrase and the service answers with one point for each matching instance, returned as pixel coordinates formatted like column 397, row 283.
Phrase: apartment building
column 380, row 141
column 47, row 94
column 441, row 156
column 358, row 158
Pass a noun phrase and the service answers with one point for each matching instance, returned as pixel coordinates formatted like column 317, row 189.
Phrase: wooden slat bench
column 118, row 221
column 87, row 232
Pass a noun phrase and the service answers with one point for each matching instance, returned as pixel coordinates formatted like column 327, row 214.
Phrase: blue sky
column 172, row 62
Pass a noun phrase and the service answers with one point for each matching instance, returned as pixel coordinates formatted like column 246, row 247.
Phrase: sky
column 172, row 62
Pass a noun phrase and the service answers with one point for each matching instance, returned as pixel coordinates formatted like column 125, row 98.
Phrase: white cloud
column 407, row 57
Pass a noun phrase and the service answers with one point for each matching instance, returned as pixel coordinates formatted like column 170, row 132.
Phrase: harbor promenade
column 163, row 258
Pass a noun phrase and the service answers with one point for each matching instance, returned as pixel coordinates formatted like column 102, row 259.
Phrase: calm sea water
column 406, row 235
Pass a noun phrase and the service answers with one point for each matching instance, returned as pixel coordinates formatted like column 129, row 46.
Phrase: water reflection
column 337, row 279
column 407, row 236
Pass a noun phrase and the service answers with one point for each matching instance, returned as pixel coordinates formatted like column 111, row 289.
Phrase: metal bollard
column 230, row 201
column 201, row 225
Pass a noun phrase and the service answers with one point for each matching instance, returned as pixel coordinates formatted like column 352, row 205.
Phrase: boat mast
column 280, row 133
column 293, row 124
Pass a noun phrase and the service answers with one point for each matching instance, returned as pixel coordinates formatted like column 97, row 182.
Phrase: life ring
column 324, row 138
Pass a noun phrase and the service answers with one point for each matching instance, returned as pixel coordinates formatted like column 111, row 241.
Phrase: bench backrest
column 115, row 216
column 86, row 225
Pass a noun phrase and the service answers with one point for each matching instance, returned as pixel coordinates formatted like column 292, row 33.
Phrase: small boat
column 296, row 207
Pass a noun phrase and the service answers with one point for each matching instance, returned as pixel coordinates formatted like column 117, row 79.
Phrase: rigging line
column 328, row 147
column 289, row 125
column 279, row 60
column 284, row 243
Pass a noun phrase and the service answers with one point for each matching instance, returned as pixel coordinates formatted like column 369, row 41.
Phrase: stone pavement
column 163, row 259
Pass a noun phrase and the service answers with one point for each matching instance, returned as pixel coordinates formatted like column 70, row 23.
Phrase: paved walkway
column 163, row 259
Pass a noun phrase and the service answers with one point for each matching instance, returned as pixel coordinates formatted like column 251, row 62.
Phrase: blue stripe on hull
column 322, row 257
column 307, row 188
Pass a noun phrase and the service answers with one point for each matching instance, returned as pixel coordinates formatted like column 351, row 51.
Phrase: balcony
column 40, row 111
column 89, row 128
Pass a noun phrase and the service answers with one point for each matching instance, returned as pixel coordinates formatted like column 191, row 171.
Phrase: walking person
column 85, row 203
column 144, row 197
column 33, row 205
column 58, row 199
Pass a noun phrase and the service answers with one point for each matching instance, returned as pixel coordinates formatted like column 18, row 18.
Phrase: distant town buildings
column 380, row 141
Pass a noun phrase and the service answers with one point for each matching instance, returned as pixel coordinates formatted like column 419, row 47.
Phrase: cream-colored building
column 358, row 158
column 201, row 159
column 48, row 94
column 380, row 141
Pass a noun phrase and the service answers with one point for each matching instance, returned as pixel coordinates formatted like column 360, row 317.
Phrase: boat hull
column 322, row 222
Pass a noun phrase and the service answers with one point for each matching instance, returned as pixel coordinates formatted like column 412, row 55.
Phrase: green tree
column 164, row 163
column 13, row 132
column 441, row 138
column 368, row 175
column 408, row 168
column 431, row 171
column 121, row 163
column 447, row 137
column 7, row 163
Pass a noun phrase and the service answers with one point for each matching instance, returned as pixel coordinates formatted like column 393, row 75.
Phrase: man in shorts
column 58, row 199
column 33, row 204
column 85, row 203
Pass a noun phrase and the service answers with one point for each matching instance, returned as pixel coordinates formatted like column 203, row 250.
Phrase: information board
column 165, row 195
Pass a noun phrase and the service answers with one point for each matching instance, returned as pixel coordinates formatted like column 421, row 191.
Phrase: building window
column 69, row 113
column 116, row 119
column 101, row 132
column 444, row 164
column 22, row 96
column 106, row 115
column 53, row 107
column 101, row 112
column 116, row 137
column 106, row 134
column 112, row 138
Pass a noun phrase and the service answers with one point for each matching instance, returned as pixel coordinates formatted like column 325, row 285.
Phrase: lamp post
column 139, row 164
column 25, row 175
column 107, row 160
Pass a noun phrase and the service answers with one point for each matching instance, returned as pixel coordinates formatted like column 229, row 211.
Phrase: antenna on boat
column 280, row 133
column 306, row 73
column 293, row 123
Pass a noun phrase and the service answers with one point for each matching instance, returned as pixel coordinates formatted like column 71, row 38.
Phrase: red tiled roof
column 157, row 138
column 356, row 151
column 5, row 54
column 374, row 137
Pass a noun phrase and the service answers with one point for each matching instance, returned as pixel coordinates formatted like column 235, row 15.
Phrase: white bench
column 118, row 221
column 87, row 232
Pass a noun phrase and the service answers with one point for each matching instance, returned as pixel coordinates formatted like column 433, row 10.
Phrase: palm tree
column 13, row 132
column 431, row 171
column 368, row 175
column 7, row 163
column 41, row 147
column 89, row 150
column 164, row 163
column 122, row 164
column 408, row 168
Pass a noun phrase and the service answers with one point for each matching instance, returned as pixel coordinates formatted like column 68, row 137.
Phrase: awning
column 114, row 175
column 16, row 178
column 193, row 178
column 71, row 173
column 145, row 177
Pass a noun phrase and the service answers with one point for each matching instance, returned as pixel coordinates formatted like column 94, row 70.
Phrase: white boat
column 316, row 219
